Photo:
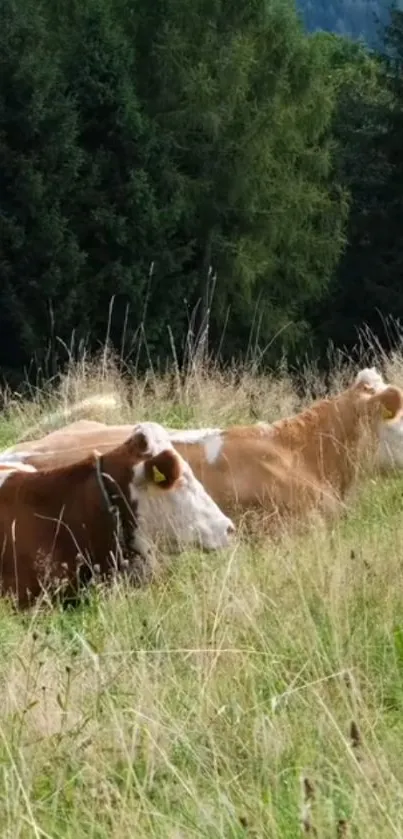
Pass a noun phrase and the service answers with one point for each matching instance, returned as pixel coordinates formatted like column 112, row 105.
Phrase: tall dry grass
column 257, row 692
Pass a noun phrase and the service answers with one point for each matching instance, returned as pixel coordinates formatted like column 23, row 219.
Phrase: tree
column 187, row 136
column 40, row 260
column 367, row 288
column 239, row 99
column 119, row 216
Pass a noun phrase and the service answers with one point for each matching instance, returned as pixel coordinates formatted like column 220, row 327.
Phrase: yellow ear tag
column 386, row 413
column 158, row 476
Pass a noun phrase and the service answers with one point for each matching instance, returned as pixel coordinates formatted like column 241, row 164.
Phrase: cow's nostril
column 231, row 529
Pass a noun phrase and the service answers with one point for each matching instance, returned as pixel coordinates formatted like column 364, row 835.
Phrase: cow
column 390, row 450
column 13, row 465
column 308, row 461
column 61, row 523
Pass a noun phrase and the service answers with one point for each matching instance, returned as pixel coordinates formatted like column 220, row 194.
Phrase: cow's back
column 251, row 472
column 68, row 446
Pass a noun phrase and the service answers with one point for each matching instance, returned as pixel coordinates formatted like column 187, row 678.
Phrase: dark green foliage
column 40, row 261
column 242, row 106
column 367, row 287
column 122, row 221
column 191, row 136
column 155, row 153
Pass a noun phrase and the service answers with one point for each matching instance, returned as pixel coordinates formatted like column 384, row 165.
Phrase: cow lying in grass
column 308, row 461
column 58, row 524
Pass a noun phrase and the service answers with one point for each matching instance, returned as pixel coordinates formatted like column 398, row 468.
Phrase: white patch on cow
column 213, row 447
column 210, row 438
column 10, row 456
column 185, row 515
column 370, row 376
column 18, row 459
column 7, row 468
column 192, row 435
column 390, row 449
column 15, row 461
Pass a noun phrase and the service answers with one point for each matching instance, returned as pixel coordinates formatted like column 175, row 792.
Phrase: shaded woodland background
column 171, row 165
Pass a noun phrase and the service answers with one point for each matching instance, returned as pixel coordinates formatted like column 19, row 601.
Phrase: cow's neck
column 113, row 478
column 327, row 434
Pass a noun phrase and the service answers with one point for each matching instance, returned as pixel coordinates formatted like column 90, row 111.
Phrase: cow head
column 382, row 404
column 170, row 501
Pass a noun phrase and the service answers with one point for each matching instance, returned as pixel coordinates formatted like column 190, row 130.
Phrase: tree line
column 205, row 162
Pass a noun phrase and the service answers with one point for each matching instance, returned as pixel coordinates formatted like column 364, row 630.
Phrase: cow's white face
column 171, row 502
column 389, row 451
column 370, row 376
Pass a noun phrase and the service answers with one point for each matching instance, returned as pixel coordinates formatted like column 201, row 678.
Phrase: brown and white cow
column 389, row 454
column 56, row 522
column 308, row 461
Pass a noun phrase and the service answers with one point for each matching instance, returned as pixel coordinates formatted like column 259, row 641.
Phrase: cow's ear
column 163, row 470
column 390, row 402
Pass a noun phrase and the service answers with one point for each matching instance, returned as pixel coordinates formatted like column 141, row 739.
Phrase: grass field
column 257, row 692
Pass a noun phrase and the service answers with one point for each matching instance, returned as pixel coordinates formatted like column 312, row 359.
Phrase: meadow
column 256, row 692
